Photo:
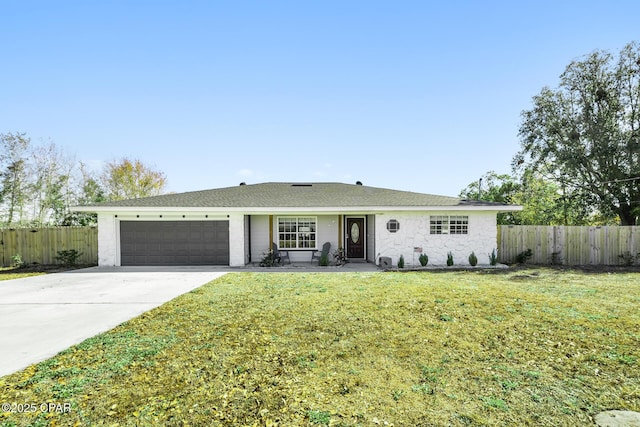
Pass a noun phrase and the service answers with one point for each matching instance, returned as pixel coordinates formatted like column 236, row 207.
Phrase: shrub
column 324, row 260
column 16, row 261
column 473, row 259
column 69, row 257
column 524, row 256
column 424, row 260
column 493, row 257
column 401, row 262
column 628, row 258
column 269, row 259
column 449, row 259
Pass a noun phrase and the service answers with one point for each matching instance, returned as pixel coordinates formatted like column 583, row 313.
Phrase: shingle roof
column 294, row 195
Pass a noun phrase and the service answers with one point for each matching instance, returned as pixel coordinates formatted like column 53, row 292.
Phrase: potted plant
column 449, row 259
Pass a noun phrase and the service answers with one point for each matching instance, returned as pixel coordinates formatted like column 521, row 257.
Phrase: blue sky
column 413, row 95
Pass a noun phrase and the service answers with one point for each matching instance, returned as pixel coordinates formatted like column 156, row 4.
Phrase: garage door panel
column 174, row 242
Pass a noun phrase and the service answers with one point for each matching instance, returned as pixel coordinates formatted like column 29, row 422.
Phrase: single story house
column 236, row 226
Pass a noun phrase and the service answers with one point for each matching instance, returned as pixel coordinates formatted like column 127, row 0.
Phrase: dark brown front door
column 355, row 237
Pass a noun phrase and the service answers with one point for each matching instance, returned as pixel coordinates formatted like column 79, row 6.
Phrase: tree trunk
column 627, row 217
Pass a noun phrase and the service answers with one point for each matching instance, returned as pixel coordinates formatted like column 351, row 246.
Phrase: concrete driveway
column 43, row 315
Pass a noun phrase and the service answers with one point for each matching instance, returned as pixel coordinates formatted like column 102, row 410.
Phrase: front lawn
column 526, row 347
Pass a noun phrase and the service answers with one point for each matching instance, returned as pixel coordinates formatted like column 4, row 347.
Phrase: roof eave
column 316, row 209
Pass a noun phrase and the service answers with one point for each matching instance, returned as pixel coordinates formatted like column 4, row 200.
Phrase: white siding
column 260, row 244
column 414, row 232
column 327, row 232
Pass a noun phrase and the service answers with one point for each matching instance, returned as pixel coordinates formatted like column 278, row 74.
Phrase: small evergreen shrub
column 523, row 256
column 473, row 259
column 424, row 260
column 449, row 259
column 68, row 258
column 628, row 258
column 401, row 262
column 493, row 257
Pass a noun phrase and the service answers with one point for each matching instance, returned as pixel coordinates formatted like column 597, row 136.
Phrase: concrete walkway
column 43, row 315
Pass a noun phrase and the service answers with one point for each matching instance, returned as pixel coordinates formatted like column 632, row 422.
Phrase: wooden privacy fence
column 570, row 245
column 41, row 245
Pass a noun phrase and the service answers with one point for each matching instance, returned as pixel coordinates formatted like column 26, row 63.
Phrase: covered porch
column 300, row 235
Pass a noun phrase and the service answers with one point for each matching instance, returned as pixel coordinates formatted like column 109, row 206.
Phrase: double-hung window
column 297, row 232
column 443, row 224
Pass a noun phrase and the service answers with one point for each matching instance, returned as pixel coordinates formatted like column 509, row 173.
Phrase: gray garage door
column 174, row 242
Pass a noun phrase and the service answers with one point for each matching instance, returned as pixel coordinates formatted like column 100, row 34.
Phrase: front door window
column 355, row 232
column 355, row 238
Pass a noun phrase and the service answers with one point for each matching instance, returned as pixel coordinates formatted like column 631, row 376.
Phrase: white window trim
column 444, row 225
column 297, row 218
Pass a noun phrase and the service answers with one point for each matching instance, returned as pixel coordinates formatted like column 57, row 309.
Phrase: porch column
column 270, row 231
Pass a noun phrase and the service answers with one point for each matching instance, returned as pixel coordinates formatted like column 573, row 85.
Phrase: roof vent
column 358, row 182
column 302, row 185
column 243, row 183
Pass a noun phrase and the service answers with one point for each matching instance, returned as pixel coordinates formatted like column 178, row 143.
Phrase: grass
column 10, row 273
column 528, row 347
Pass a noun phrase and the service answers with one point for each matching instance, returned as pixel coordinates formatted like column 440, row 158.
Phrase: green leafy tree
column 545, row 203
column 542, row 200
column 127, row 179
column 584, row 136
column 499, row 188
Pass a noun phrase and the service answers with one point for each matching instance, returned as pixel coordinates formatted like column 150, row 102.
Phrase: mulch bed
column 41, row 268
